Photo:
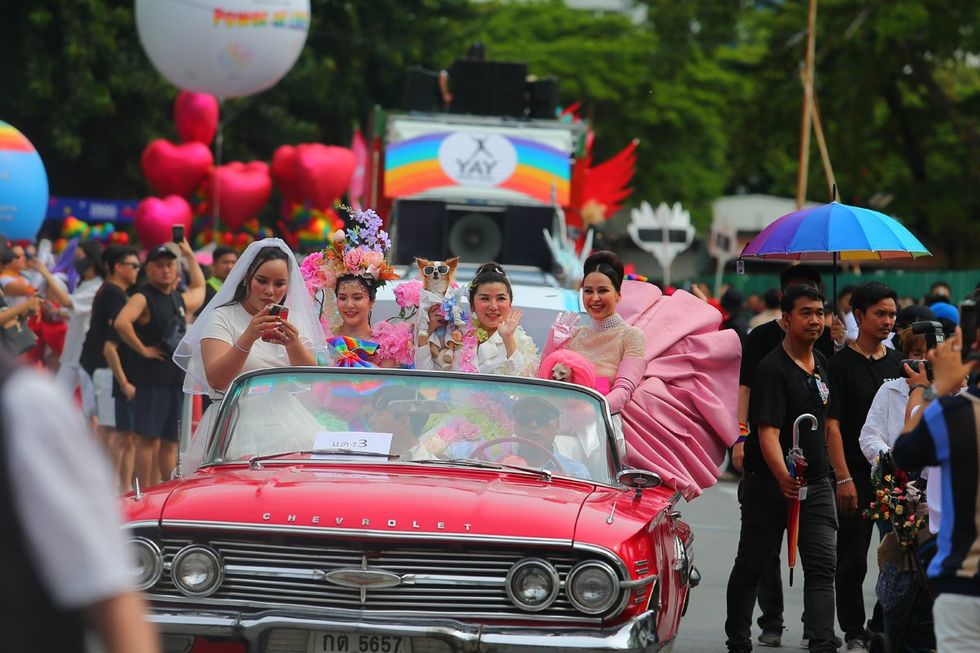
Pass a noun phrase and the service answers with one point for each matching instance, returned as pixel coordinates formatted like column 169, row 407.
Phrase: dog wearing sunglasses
column 437, row 280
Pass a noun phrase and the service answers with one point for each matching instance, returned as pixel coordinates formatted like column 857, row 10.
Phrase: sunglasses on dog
column 441, row 269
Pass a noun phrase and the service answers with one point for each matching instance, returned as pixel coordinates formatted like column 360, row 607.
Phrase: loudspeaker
column 475, row 236
column 542, row 98
column 469, row 82
column 512, row 235
column 422, row 90
column 419, row 230
column 508, row 81
column 489, row 88
column 524, row 242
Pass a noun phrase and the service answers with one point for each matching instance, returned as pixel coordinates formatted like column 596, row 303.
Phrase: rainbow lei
column 353, row 352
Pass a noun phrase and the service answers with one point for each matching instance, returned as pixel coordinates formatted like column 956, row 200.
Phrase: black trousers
column 763, row 524
column 770, row 595
column 853, row 540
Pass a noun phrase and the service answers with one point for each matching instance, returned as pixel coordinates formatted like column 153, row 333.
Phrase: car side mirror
column 639, row 480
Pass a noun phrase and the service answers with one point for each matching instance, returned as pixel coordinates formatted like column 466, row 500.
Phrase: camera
column 916, row 366
column 932, row 330
column 968, row 325
column 177, row 232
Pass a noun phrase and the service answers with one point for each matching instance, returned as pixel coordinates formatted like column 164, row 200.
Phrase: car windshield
column 335, row 415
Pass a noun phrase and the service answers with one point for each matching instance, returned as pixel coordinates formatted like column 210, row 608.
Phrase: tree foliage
column 711, row 88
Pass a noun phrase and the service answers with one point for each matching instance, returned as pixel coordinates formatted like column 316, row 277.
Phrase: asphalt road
column 715, row 519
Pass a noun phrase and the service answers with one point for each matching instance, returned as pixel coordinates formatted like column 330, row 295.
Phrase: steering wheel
column 535, row 445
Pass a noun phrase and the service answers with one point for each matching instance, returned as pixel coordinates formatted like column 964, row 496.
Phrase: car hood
column 379, row 499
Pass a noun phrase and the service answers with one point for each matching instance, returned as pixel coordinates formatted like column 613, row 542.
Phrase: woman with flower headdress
column 238, row 331
column 497, row 343
column 345, row 278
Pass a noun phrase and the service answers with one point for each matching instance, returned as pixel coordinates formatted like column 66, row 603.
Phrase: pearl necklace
column 608, row 323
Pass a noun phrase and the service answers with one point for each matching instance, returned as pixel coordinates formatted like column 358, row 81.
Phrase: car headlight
column 532, row 584
column 592, row 587
column 146, row 562
column 197, row 570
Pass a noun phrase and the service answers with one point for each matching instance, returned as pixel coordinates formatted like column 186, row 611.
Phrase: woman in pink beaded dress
column 607, row 341
column 670, row 372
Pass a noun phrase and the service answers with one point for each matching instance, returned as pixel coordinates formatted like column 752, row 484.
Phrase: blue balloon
column 23, row 186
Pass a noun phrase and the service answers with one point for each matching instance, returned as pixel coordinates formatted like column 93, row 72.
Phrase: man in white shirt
column 62, row 555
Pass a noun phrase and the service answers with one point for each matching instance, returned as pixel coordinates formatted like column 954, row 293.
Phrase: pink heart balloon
column 241, row 190
column 196, row 117
column 176, row 169
column 313, row 173
column 155, row 217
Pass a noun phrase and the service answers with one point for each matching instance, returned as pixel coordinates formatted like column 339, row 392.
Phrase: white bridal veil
column 302, row 314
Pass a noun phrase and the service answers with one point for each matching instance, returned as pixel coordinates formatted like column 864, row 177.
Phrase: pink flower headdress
column 358, row 250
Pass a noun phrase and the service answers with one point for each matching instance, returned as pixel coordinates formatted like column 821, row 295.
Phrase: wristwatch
column 929, row 393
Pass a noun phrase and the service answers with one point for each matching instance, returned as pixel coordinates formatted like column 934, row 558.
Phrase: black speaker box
column 542, row 98
column 524, row 242
column 508, row 82
column 421, row 90
column 469, row 82
column 511, row 235
column 488, row 88
column 420, row 230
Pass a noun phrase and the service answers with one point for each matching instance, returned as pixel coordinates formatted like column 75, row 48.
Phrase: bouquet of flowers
column 896, row 500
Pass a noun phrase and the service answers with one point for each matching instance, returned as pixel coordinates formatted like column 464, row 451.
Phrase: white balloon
column 228, row 48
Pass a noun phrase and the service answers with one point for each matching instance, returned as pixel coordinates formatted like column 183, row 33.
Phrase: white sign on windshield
column 363, row 442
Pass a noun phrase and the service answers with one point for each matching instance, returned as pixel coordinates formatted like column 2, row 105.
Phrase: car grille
column 260, row 574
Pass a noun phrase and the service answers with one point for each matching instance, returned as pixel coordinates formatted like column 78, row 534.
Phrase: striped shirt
column 949, row 435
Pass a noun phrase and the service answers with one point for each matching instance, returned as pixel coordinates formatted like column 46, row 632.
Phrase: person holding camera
column 262, row 317
column 886, row 417
column 152, row 324
column 946, row 432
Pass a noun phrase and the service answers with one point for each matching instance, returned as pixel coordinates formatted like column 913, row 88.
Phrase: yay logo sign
column 472, row 159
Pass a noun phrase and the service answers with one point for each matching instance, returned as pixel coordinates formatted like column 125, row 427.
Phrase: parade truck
column 478, row 187
column 486, row 179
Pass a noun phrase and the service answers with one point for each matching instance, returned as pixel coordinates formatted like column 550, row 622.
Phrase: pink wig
column 583, row 370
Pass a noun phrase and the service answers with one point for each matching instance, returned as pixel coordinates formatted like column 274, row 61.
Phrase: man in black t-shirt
column 758, row 344
column 122, row 265
column 856, row 373
column 143, row 324
column 789, row 382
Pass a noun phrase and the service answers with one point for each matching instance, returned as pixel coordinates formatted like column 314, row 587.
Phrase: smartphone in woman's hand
column 282, row 313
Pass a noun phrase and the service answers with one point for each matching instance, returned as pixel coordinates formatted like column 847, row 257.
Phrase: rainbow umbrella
column 796, row 464
column 835, row 232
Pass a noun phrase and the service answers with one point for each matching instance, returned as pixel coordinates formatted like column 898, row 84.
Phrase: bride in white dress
column 237, row 332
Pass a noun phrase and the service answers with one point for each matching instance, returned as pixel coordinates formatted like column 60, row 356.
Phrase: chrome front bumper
column 638, row 635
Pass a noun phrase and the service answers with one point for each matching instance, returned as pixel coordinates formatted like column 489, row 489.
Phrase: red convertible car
column 393, row 511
